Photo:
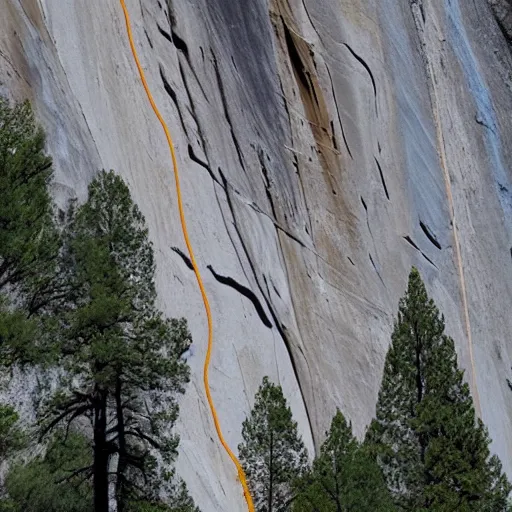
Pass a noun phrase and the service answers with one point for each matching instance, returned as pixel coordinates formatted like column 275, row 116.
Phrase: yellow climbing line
column 458, row 254
column 241, row 474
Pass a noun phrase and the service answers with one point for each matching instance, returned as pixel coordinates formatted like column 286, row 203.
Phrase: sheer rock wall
column 325, row 146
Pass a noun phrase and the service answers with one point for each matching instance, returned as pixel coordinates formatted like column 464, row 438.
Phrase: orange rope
column 241, row 474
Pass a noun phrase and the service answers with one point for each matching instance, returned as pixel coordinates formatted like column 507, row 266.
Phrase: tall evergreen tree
column 272, row 453
column 344, row 478
column 29, row 241
column 432, row 449
column 120, row 358
column 58, row 481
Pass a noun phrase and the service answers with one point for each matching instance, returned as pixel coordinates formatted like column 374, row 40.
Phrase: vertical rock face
column 325, row 147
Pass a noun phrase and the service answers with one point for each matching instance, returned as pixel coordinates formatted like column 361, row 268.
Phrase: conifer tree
column 120, row 358
column 344, row 478
column 12, row 437
column 55, row 481
column 433, row 450
column 29, row 241
column 58, row 481
column 272, row 453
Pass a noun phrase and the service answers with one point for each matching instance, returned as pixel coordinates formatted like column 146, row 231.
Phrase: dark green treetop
column 344, row 478
column 120, row 357
column 29, row 240
column 433, row 450
column 272, row 453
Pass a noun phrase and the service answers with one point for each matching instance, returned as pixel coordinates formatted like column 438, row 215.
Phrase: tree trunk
column 121, row 439
column 271, row 473
column 337, row 471
column 420, row 395
column 101, row 456
column 419, row 386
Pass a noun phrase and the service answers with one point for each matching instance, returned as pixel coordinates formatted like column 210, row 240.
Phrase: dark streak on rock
column 423, row 15
column 175, row 40
column 182, row 47
column 184, row 257
column 172, row 94
column 280, row 327
column 364, row 204
column 365, row 65
column 275, row 289
column 204, row 165
column 376, row 270
column 266, row 181
column 226, row 110
column 287, row 110
column 372, row 262
column 428, row 259
column 382, row 178
column 430, row 235
column 180, row 44
column 409, row 240
column 165, row 34
column 243, row 290
column 291, row 236
column 149, row 40
column 338, row 112
column 333, row 136
column 295, row 59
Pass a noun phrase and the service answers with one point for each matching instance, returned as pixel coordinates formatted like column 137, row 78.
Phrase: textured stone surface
column 325, row 147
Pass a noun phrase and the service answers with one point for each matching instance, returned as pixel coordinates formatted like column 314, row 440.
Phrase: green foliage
column 178, row 496
column 29, row 242
column 344, row 478
column 60, row 481
column 272, row 453
column 18, row 335
column 12, row 437
column 433, row 451
column 51, row 483
column 120, row 357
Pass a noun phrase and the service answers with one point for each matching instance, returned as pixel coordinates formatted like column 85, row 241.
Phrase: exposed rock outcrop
column 325, row 147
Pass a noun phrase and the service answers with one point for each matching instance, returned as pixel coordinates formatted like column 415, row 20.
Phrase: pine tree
column 12, row 437
column 29, row 241
column 177, row 495
column 56, row 481
column 120, row 359
column 432, row 449
column 344, row 478
column 272, row 454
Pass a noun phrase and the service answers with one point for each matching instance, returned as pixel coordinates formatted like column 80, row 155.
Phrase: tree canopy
column 433, row 450
column 29, row 240
column 272, row 453
column 120, row 358
column 344, row 477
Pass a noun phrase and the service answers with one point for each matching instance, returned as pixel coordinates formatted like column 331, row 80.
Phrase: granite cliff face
column 325, row 147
